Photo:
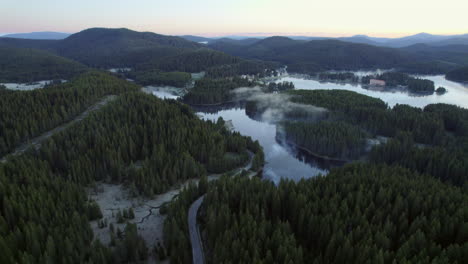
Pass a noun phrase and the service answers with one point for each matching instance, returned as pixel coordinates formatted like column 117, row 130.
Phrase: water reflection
column 281, row 162
column 457, row 93
column 284, row 162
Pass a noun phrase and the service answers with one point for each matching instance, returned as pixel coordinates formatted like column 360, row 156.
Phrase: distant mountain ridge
column 103, row 47
column 38, row 35
column 121, row 47
column 362, row 52
column 420, row 38
column 317, row 55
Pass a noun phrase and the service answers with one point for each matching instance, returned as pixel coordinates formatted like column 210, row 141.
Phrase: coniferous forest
column 330, row 139
column 357, row 214
column 138, row 140
column 432, row 140
column 401, row 197
column 26, row 114
column 208, row 91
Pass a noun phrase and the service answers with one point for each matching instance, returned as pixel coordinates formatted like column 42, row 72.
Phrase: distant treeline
column 156, row 77
column 259, row 69
column 215, row 91
column 394, row 79
column 338, row 76
column 314, row 56
column 279, row 87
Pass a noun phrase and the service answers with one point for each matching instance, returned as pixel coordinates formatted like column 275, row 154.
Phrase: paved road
column 195, row 239
column 36, row 142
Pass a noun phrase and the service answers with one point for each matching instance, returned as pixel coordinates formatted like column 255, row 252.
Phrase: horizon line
column 259, row 34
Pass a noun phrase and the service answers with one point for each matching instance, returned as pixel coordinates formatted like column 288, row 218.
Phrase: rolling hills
column 116, row 48
column 101, row 47
column 316, row 55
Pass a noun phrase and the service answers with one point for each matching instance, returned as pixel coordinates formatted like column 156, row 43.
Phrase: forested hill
column 102, row 47
column 28, row 65
column 142, row 51
column 458, row 75
column 302, row 56
column 26, row 114
column 318, row 55
column 113, row 47
column 357, row 214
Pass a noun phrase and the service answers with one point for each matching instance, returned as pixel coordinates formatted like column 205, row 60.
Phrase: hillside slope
column 28, row 65
column 315, row 55
column 102, row 47
column 458, row 75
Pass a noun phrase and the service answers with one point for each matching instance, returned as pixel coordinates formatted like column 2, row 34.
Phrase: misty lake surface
column 284, row 162
column 456, row 94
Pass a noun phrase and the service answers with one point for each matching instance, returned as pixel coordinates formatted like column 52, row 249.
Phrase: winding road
column 195, row 237
column 36, row 142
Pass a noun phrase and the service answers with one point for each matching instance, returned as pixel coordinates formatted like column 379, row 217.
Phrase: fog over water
column 285, row 162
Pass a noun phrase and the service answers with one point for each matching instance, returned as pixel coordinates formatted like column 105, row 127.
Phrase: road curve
column 36, row 142
column 195, row 238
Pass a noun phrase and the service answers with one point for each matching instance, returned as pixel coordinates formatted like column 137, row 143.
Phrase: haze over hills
column 421, row 38
column 113, row 48
column 425, row 38
column 38, row 35
column 100, row 47
column 330, row 54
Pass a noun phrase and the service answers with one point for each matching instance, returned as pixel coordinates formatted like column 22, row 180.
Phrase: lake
column 456, row 94
column 285, row 162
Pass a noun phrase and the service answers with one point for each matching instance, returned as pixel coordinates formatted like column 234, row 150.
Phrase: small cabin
column 377, row 82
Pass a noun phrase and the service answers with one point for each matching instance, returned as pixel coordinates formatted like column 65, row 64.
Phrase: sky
column 379, row 18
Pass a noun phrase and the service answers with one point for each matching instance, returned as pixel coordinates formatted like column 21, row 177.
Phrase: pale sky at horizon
column 241, row 17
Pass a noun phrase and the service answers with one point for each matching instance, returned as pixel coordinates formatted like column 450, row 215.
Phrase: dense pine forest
column 339, row 76
column 373, row 115
column 458, row 75
column 192, row 61
column 404, row 201
column 29, row 65
column 26, row 114
column 432, row 140
column 156, row 77
column 208, row 91
column 336, row 140
column 137, row 140
column 246, row 67
column 146, row 143
column 398, row 79
column 357, row 214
